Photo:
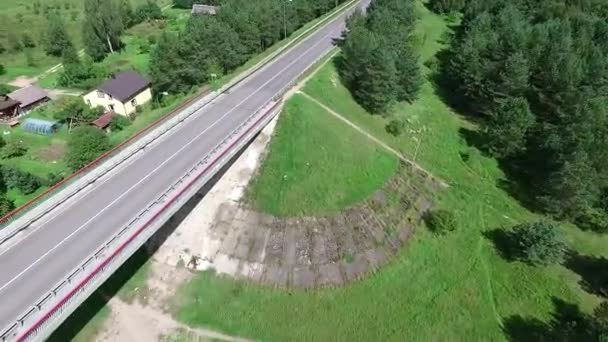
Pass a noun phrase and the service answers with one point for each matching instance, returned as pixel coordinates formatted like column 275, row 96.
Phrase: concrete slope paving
column 29, row 269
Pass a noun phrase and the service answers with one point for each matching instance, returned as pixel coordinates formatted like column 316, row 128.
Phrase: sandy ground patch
column 52, row 152
column 189, row 235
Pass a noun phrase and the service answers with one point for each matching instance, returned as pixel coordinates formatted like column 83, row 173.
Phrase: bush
column 441, row 221
column 25, row 182
column 119, row 122
column 2, row 70
column 600, row 318
column 53, row 178
column 144, row 46
column 148, row 11
column 13, row 149
column 593, row 219
column 139, row 109
column 446, row 6
column 539, row 243
column 5, row 88
column 186, row 4
column 395, row 127
column 85, row 143
column 6, row 205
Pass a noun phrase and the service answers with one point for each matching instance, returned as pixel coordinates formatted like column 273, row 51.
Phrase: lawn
column 456, row 287
column 299, row 175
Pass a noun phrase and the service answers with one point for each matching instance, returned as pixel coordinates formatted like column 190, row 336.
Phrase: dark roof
column 124, row 85
column 104, row 120
column 29, row 95
column 6, row 102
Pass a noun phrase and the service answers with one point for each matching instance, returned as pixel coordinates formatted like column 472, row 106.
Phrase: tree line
column 211, row 46
column 379, row 63
column 536, row 75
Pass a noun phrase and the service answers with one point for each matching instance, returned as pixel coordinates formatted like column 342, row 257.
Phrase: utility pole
column 285, row 18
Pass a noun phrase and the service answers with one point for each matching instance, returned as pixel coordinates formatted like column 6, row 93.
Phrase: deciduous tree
column 85, row 143
column 102, row 27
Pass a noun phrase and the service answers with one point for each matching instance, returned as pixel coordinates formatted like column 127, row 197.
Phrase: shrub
column 593, row 219
column 2, row 69
column 6, row 205
column 119, row 122
column 13, row 149
column 53, row 178
column 139, row 109
column 5, row 88
column 25, row 182
column 441, row 221
column 600, row 318
column 186, row 4
column 395, row 127
column 85, row 144
column 144, row 46
column 539, row 243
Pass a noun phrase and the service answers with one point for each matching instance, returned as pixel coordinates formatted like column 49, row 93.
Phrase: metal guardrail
column 121, row 246
column 35, row 209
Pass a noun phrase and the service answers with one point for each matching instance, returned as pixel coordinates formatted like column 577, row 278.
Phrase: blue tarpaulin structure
column 39, row 126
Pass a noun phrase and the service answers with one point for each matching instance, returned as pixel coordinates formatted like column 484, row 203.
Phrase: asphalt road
column 29, row 269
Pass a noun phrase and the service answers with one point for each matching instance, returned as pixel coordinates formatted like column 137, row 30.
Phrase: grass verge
column 457, row 287
column 299, row 175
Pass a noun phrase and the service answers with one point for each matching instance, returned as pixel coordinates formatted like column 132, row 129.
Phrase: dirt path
column 135, row 322
column 373, row 138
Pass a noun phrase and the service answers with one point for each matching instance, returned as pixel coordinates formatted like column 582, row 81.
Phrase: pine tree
column 507, row 127
column 102, row 27
column 409, row 74
column 56, row 38
column 378, row 83
column 573, row 187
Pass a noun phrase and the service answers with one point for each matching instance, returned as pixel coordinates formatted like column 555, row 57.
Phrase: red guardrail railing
column 146, row 224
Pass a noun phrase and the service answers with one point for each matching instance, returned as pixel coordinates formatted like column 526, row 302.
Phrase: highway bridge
column 76, row 239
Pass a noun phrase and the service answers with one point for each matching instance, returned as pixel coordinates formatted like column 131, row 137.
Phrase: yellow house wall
column 93, row 99
column 141, row 99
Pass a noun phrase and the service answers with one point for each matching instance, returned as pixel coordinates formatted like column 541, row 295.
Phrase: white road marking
column 166, row 160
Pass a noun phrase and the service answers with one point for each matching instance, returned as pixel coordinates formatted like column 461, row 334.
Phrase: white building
column 121, row 93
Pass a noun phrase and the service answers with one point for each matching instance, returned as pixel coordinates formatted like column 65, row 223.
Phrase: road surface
column 59, row 243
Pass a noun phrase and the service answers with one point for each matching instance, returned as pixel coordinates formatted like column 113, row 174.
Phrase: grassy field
column 457, row 287
column 299, row 176
column 24, row 16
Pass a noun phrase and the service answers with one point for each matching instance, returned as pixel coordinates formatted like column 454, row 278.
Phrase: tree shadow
column 593, row 271
column 519, row 183
column 567, row 323
column 87, row 311
column 447, row 88
column 475, row 139
column 505, row 243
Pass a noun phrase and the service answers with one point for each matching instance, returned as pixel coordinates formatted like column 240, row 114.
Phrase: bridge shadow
column 86, row 321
